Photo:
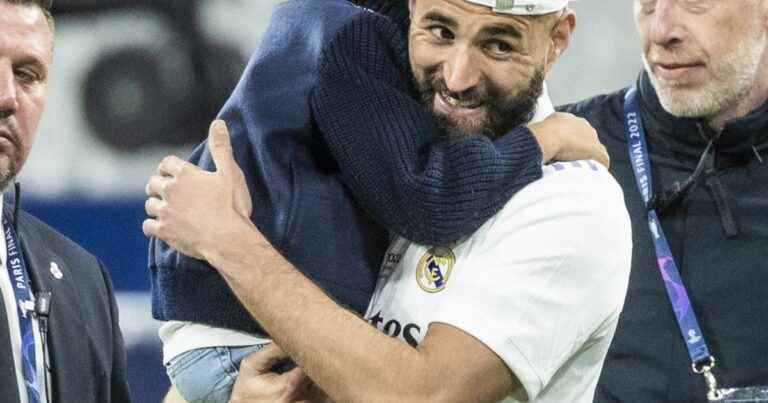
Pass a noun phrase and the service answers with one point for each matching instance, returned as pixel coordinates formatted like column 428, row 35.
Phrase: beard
column 503, row 111
column 733, row 77
column 8, row 174
column 14, row 157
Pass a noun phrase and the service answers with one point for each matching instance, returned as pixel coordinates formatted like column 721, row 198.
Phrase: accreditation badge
column 434, row 269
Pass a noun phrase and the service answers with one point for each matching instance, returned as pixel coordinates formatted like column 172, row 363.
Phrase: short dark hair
column 45, row 6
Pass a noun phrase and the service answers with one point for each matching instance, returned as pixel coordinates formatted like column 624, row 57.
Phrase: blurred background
column 135, row 80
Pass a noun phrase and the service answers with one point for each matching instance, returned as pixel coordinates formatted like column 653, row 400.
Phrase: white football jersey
column 541, row 283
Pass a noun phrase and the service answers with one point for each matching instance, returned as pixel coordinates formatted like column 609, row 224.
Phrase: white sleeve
column 545, row 275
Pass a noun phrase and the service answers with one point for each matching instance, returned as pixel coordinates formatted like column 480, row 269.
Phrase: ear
column 411, row 5
column 560, row 37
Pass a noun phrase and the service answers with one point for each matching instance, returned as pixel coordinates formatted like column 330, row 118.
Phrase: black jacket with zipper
column 718, row 233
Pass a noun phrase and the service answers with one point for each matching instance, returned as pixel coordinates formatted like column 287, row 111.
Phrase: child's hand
column 565, row 137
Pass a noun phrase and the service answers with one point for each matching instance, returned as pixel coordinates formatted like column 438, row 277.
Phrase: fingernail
column 216, row 125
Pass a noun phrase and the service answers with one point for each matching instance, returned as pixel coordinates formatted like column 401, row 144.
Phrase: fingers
column 157, row 185
column 263, row 360
column 255, row 382
column 291, row 387
column 151, row 227
column 172, row 166
column 297, row 379
column 153, row 206
column 580, row 142
column 220, row 147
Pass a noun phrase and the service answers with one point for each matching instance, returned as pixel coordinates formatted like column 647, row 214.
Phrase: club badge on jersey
column 434, row 269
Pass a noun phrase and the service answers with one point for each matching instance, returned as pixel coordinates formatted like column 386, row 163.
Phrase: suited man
column 57, row 309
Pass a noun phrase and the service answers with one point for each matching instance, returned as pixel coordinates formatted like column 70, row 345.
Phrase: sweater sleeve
column 409, row 176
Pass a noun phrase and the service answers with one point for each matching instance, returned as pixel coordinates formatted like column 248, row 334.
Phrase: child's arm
column 412, row 179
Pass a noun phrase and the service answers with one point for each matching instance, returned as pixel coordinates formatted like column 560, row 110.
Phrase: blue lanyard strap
column 17, row 271
column 678, row 296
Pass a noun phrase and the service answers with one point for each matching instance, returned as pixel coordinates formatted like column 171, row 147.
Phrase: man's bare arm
column 347, row 357
column 343, row 354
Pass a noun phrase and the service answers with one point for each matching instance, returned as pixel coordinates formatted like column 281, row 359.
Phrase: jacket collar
column 37, row 261
column 741, row 140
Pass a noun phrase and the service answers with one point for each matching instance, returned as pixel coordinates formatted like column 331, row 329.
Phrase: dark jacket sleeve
column 119, row 392
column 399, row 166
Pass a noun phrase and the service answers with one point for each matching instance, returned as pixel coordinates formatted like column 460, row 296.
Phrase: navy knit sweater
column 336, row 151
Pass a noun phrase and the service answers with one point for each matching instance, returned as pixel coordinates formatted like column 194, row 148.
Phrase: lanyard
column 17, row 271
column 701, row 360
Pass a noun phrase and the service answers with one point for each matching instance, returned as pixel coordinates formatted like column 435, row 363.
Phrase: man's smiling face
column 478, row 71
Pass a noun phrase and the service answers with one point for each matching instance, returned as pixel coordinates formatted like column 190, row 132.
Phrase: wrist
column 549, row 142
column 232, row 247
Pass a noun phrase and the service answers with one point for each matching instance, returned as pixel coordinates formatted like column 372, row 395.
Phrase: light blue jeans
column 207, row 375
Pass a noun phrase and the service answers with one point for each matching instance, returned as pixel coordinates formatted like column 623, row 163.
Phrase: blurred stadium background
column 134, row 80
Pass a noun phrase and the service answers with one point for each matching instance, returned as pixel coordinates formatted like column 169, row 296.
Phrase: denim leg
column 207, row 375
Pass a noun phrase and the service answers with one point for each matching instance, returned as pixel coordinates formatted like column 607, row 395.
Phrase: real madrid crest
column 434, row 269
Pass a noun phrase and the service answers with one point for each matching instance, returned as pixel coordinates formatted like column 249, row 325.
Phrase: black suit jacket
column 84, row 339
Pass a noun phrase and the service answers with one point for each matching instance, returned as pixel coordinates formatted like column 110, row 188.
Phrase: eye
column 26, row 76
column 697, row 6
column 441, row 32
column 499, row 48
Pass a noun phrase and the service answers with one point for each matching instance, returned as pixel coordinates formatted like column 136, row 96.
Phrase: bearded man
column 522, row 310
column 692, row 133
column 60, row 338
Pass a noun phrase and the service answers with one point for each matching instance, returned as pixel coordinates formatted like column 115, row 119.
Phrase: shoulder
column 70, row 273
column 297, row 27
column 575, row 215
column 368, row 36
column 38, row 235
column 54, row 239
column 369, row 47
column 584, row 186
column 569, row 234
column 333, row 18
column 328, row 11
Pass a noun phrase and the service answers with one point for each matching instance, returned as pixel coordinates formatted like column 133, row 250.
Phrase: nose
column 665, row 24
column 460, row 71
column 9, row 103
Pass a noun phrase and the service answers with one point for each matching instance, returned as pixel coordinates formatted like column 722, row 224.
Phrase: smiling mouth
column 676, row 72
column 458, row 103
column 676, row 66
column 673, row 66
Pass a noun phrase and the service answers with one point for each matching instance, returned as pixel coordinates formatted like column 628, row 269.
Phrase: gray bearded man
column 702, row 104
column 522, row 310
